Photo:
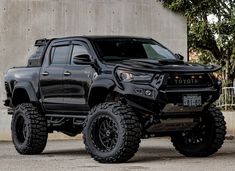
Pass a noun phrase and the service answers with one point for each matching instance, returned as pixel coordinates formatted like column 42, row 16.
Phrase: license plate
column 192, row 100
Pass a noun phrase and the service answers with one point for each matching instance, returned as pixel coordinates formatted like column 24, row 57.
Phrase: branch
column 210, row 46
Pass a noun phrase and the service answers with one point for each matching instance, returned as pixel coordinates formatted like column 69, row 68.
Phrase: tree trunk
column 229, row 79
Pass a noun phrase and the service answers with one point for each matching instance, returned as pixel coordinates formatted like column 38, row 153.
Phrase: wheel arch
column 23, row 93
column 99, row 91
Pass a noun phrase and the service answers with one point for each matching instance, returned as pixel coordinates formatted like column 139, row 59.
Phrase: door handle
column 45, row 73
column 67, row 73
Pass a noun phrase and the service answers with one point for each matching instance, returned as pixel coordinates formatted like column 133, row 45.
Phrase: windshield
column 116, row 49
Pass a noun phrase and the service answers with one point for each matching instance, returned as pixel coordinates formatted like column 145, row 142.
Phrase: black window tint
column 117, row 49
column 59, row 54
column 78, row 50
column 38, row 52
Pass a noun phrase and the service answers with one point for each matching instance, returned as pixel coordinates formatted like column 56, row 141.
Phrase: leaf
column 211, row 30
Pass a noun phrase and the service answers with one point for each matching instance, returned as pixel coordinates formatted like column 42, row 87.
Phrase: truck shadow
column 145, row 154
column 150, row 154
column 70, row 152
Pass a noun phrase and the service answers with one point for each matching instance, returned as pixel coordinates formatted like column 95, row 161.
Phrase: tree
column 211, row 30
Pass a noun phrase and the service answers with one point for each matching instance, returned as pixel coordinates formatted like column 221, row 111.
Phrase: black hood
column 170, row 65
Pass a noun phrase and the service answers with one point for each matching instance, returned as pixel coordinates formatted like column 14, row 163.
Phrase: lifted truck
column 116, row 90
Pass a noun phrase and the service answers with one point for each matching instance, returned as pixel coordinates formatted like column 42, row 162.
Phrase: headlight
column 128, row 76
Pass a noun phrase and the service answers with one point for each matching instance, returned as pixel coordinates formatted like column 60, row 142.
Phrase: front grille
column 188, row 80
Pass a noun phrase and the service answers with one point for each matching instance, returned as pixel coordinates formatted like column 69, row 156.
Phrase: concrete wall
column 24, row 21
column 230, row 122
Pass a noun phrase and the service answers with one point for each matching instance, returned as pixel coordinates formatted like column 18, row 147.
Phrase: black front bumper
column 167, row 102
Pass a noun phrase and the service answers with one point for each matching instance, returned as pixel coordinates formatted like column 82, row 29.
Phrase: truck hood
column 172, row 65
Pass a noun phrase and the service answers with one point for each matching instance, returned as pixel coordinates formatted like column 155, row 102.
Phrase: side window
column 79, row 50
column 59, row 54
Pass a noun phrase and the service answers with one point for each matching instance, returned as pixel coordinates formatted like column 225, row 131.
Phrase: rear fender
column 28, row 89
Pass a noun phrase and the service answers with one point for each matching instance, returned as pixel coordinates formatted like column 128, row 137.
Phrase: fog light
column 148, row 93
column 219, row 82
column 139, row 91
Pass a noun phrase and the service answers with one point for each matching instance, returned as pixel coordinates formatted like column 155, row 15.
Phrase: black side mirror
column 179, row 56
column 82, row 59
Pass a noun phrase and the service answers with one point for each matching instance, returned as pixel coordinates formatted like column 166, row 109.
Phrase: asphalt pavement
column 156, row 154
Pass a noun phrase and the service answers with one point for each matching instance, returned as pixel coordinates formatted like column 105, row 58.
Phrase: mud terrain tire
column 29, row 129
column 112, row 133
column 205, row 139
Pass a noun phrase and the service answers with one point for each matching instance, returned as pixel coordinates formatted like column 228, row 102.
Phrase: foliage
column 211, row 30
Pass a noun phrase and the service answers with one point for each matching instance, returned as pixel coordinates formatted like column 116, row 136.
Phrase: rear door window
column 60, row 54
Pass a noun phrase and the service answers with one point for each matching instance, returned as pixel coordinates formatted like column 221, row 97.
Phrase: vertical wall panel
column 24, row 21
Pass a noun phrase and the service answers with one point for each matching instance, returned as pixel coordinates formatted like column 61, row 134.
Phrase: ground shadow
column 65, row 152
column 145, row 154
column 149, row 154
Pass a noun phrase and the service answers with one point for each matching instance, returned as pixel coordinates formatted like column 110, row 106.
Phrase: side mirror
column 179, row 56
column 82, row 59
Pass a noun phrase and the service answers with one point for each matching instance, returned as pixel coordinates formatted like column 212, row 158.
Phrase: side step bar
column 60, row 119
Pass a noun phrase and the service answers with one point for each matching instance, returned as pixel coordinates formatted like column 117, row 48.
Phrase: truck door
column 77, row 80
column 51, row 81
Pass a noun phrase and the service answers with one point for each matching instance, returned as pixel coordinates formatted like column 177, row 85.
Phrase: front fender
column 105, row 83
column 99, row 90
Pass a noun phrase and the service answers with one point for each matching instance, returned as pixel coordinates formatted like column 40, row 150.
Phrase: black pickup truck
column 116, row 90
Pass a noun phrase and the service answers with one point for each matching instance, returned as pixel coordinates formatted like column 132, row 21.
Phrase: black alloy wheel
column 104, row 133
column 205, row 139
column 112, row 133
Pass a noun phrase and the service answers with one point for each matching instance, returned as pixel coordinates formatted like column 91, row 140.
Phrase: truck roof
column 44, row 41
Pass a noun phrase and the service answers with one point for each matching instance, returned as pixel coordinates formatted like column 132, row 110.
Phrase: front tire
column 112, row 133
column 204, row 139
column 29, row 129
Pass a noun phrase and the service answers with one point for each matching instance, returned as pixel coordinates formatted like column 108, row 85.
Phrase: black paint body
column 69, row 91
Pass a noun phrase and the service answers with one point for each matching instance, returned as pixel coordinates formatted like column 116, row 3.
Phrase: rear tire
column 29, row 129
column 205, row 139
column 112, row 133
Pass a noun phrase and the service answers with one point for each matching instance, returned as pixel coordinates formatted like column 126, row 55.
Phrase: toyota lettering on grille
column 186, row 81
column 181, row 80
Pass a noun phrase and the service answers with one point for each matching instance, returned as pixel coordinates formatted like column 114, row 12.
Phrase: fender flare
column 29, row 90
column 105, row 84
